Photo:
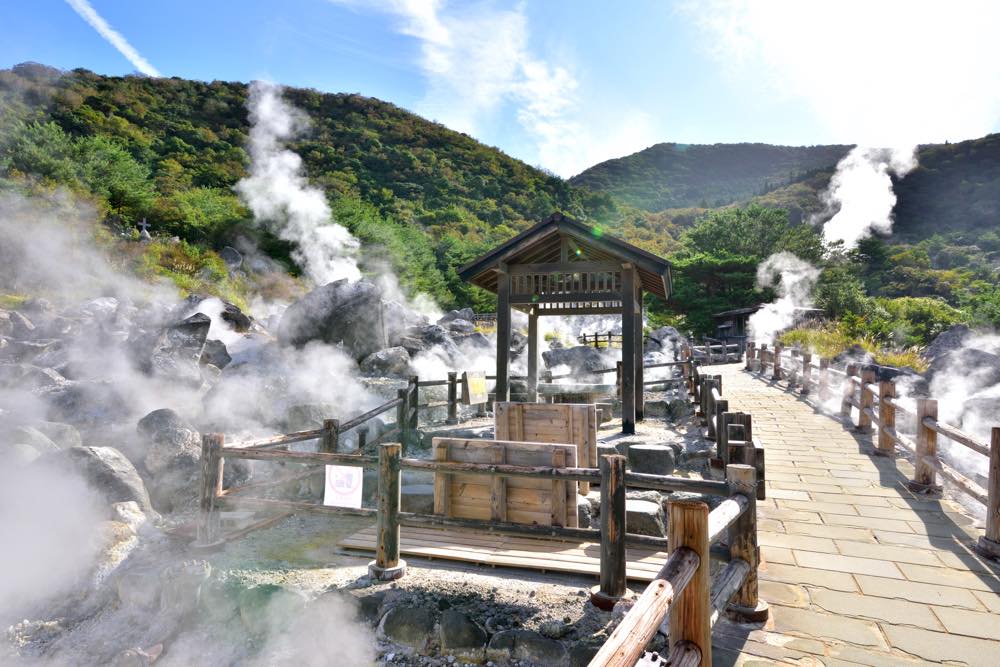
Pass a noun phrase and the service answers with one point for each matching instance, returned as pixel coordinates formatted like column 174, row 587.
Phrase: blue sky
column 564, row 84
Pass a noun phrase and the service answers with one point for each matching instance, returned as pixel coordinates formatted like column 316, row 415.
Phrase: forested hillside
column 682, row 175
column 170, row 150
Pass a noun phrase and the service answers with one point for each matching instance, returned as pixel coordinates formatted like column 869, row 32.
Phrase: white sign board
column 343, row 486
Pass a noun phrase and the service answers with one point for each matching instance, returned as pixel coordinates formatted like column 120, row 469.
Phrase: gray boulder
column 427, row 337
column 107, row 471
column 644, row 517
column 169, row 437
column 651, row 459
column 236, row 318
column 232, row 257
column 409, row 627
column 461, row 326
column 6, row 323
column 462, row 637
column 855, row 354
column 581, row 359
column 17, row 454
column 665, row 340
column 473, row 343
column 32, row 436
column 391, row 362
column 216, row 354
column 949, row 340
column 672, row 409
column 85, row 402
column 463, row 314
column 527, row 646
column 176, row 353
column 342, row 312
column 29, row 377
column 63, row 435
column 975, row 368
column 21, row 328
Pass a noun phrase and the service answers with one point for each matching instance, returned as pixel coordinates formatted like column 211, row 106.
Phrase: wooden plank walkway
column 531, row 553
column 857, row 569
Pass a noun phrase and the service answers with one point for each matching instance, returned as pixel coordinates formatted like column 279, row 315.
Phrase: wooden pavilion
column 564, row 267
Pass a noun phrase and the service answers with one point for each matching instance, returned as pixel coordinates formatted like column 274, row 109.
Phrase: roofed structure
column 564, row 267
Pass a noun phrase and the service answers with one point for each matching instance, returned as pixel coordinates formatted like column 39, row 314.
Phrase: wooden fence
column 879, row 408
column 683, row 589
column 715, row 351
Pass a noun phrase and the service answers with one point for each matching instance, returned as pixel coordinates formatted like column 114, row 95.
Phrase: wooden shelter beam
column 533, row 355
column 639, row 371
column 503, row 334
column 628, row 349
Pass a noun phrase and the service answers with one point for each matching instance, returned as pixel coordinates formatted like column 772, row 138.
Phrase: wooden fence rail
column 879, row 407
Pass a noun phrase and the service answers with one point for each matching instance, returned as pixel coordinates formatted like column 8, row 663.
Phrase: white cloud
column 477, row 61
column 113, row 37
column 885, row 73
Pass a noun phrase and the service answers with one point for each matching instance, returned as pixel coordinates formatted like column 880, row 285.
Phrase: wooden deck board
column 549, row 555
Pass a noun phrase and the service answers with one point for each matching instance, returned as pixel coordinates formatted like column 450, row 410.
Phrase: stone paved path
column 857, row 569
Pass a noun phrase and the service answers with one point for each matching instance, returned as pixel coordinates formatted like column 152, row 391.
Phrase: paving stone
column 832, row 532
column 915, row 540
column 949, row 577
column 797, row 542
column 789, row 574
column 888, row 552
column 829, row 626
column 815, row 506
column 940, row 647
column 787, row 494
column 820, row 561
column 880, row 609
column 866, row 522
column 858, row 501
column 990, row 600
column 917, row 592
column 777, row 555
column 842, row 655
column 969, row 623
column 790, row 595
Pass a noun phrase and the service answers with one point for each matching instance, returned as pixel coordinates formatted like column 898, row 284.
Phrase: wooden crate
column 515, row 499
column 551, row 422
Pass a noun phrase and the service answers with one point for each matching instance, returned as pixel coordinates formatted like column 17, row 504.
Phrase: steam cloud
column 278, row 193
column 794, row 279
column 860, row 195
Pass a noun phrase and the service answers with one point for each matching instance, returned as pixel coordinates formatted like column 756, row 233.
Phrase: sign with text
column 474, row 389
column 343, row 486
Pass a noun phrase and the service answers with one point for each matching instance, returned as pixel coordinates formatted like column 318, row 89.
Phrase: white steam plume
column 279, row 195
column 860, row 195
column 794, row 280
column 113, row 37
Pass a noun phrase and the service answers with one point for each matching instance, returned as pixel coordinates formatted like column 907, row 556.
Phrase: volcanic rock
column 85, row 402
column 392, row 362
column 665, row 340
column 581, row 359
column 63, row 435
column 106, row 471
column 28, row 377
column 232, row 257
column 410, row 627
column 643, row 517
column 527, row 646
column 462, row 637
column 461, row 326
column 463, row 314
column 975, row 369
column 651, row 459
column 215, row 353
column 342, row 312
column 949, row 340
column 176, row 355
column 170, row 437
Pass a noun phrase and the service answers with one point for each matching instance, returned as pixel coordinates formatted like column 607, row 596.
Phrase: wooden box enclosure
column 510, row 499
column 551, row 422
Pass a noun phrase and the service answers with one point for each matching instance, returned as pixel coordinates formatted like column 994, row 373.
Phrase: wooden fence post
column 330, row 442
column 714, row 427
column 989, row 544
column 923, row 474
column 762, row 357
column 414, row 389
column 362, row 438
column 387, row 564
column 751, row 353
column 402, row 422
column 848, row 391
column 691, row 612
column 618, row 379
column 824, row 380
column 453, row 398
column 807, row 361
column 778, row 349
column 867, row 401
column 886, row 418
column 612, row 587
column 746, row 605
column 208, row 529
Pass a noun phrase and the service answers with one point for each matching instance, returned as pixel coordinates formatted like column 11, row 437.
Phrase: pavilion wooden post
column 533, row 355
column 640, row 379
column 923, row 474
column 502, row 390
column 452, row 397
column 691, row 612
column 612, row 587
column 886, row 418
column 867, row 401
column 989, row 544
column 387, row 564
column 209, row 525
column 628, row 349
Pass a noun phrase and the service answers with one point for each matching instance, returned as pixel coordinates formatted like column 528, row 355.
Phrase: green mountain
column 170, row 150
column 667, row 176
